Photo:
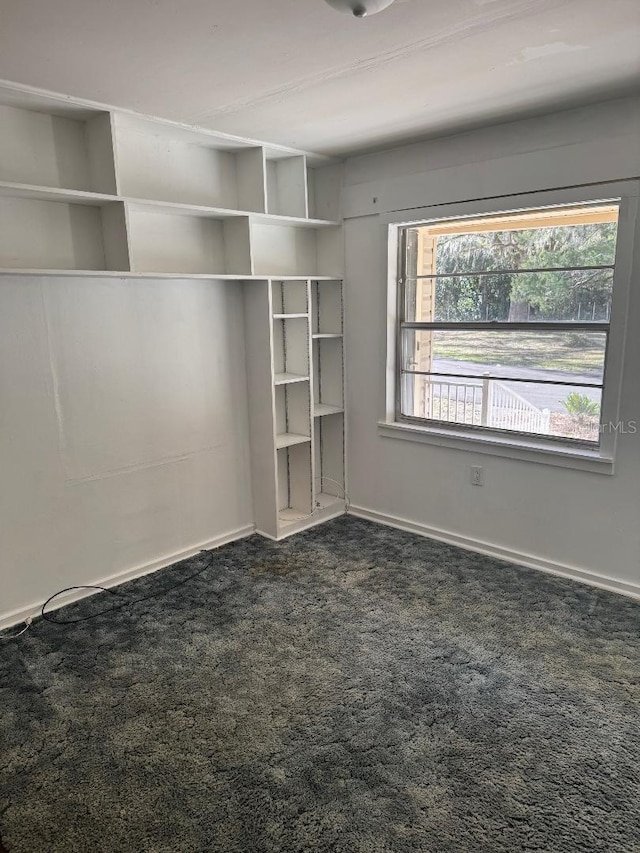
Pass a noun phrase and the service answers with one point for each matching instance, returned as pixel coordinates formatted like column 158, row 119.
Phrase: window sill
column 509, row 448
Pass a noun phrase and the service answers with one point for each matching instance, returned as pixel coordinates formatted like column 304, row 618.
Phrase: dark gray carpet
column 353, row 688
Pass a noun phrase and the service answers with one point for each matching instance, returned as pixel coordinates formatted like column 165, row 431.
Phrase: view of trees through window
column 505, row 320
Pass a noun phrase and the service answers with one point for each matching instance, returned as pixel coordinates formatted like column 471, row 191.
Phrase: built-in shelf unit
column 296, row 400
column 90, row 190
column 327, row 365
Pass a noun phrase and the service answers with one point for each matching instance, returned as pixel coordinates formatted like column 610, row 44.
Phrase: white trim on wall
column 595, row 144
column 16, row 617
column 499, row 552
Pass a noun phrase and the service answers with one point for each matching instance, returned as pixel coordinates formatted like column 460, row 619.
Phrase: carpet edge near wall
column 18, row 616
column 499, row 552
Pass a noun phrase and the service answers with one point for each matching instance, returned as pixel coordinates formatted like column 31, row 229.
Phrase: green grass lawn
column 570, row 352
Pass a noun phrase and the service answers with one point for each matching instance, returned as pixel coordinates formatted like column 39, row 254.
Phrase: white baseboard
column 491, row 550
column 16, row 617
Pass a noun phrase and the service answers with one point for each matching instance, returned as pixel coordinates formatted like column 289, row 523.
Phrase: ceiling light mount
column 359, row 8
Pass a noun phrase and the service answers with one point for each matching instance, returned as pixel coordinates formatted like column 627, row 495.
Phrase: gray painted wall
column 123, row 428
column 577, row 522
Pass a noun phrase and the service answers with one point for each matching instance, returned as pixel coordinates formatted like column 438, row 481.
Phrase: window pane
column 553, row 410
column 575, row 296
column 536, row 356
column 568, row 237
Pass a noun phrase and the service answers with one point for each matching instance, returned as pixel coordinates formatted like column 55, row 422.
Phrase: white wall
column 581, row 523
column 123, row 428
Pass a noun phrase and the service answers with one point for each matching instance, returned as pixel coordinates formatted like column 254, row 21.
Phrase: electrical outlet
column 477, row 475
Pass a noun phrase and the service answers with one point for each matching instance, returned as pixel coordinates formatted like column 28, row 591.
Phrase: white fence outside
column 486, row 402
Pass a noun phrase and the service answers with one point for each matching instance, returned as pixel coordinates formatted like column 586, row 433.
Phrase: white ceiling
column 298, row 73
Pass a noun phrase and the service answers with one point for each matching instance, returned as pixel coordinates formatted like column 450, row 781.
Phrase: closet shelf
column 88, row 189
column 324, row 500
column 290, row 316
column 290, row 516
column 64, row 273
column 36, row 193
column 288, row 439
column 206, row 212
column 9, row 189
column 322, row 409
column 288, row 378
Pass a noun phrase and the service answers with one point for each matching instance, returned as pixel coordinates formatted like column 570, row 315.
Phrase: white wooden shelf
column 280, row 250
column 190, row 202
column 291, row 516
column 293, row 221
column 288, row 378
column 290, row 346
column 329, row 461
column 326, row 501
column 29, row 191
column 287, row 439
column 207, row 212
column 41, row 235
column 65, row 149
column 297, row 430
column 101, row 273
column 290, row 316
column 195, row 210
column 183, row 166
column 167, row 242
column 42, row 193
column 325, row 506
column 322, row 409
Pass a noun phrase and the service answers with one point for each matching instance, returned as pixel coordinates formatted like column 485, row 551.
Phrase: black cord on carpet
column 129, row 601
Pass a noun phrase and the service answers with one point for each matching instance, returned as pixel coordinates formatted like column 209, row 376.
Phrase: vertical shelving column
column 292, row 398
column 278, row 358
column 328, row 394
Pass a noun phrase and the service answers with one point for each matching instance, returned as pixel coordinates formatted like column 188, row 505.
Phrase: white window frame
column 532, row 448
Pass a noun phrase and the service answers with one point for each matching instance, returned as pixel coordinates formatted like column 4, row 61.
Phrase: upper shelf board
column 63, row 273
column 41, row 100
column 206, row 212
column 14, row 190
column 11, row 190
